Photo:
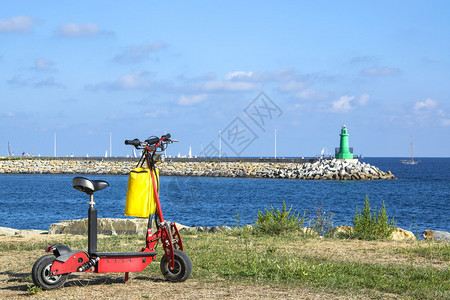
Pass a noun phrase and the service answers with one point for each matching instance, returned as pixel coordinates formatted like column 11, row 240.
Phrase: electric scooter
column 51, row 271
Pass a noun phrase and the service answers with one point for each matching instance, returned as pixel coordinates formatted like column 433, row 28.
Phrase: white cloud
column 18, row 80
column 252, row 81
column 361, row 59
column 283, row 75
column 205, row 77
column 9, row 114
column 239, row 81
column 238, row 75
column 133, row 81
column 48, row 82
column 80, row 30
column 229, row 86
column 138, row 53
column 43, row 64
column 425, row 105
column 17, row 24
column 293, row 85
column 191, row 99
column 136, row 80
column 310, row 94
column 427, row 112
column 363, row 99
column 156, row 113
column 343, row 104
column 375, row 71
column 346, row 103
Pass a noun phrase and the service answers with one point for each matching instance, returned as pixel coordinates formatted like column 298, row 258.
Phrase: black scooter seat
column 88, row 186
column 123, row 254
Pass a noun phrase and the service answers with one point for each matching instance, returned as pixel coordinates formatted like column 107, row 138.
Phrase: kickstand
column 126, row 277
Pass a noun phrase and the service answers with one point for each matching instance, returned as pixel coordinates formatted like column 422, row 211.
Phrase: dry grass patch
column 380, row 252
column 241, row 265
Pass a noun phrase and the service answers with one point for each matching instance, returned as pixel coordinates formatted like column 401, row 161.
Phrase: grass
column 9, row 158
column 344, row 268
column 429, row 251
column 276, row 261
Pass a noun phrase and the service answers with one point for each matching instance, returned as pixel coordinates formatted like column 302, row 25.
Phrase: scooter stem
column 92, row 226
column 91, row 201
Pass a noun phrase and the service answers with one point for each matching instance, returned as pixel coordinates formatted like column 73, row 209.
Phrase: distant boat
column 411, row 161
column 9, row 150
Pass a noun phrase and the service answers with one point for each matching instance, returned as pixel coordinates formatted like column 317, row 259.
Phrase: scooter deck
column 123, row 254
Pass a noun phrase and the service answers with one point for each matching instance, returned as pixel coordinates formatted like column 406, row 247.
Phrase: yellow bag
column 141, row 199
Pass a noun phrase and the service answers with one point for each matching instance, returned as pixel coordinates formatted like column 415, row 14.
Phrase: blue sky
column 87, row 71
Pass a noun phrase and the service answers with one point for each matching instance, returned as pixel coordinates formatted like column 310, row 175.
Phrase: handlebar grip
column 153, row 140
column 134, row 142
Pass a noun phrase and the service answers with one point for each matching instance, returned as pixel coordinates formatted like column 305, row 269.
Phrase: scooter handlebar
column 150, row 141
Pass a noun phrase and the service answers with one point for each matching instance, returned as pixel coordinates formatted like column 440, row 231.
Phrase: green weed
column 275, row 222
column 322, row 222
column 32, row 289
column 368, row 226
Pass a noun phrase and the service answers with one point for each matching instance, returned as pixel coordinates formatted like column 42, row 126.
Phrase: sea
column 418, row 200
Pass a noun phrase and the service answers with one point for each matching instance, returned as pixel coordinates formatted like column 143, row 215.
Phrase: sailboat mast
column 411, row 149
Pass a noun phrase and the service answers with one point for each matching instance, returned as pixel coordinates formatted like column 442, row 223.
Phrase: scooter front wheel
column 182, row 269
column 43, row 278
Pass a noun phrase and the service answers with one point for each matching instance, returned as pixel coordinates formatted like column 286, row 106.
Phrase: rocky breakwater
column 330, row 169
column 56, row 166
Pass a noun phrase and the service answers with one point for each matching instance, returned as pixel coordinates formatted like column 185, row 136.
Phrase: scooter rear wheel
column 182, row 270
column 42, row 276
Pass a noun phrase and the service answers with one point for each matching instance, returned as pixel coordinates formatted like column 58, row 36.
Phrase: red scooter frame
column 51, row 271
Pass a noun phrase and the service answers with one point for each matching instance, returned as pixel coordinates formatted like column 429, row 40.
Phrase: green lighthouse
column 344, row 150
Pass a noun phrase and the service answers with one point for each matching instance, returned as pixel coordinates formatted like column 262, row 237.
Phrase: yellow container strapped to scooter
column 141, row 199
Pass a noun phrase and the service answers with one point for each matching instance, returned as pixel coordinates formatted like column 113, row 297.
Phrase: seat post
column 92, row 226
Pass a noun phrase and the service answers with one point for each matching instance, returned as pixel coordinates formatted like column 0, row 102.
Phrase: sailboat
column 411, row 161
column 10, row 153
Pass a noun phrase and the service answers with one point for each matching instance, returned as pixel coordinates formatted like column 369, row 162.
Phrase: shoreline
column 138, row 226
column 306, row 169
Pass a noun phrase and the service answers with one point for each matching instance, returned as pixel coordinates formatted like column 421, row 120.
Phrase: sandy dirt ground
column 15, row 279
column 15, row 275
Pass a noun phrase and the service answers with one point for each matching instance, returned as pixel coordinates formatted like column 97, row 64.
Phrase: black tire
column 43, row 278
column 182, row 270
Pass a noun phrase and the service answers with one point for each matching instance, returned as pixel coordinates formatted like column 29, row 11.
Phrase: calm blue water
column 419, row 199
